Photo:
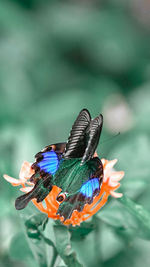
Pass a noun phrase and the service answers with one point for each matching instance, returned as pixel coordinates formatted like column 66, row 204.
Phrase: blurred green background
column 57, row 57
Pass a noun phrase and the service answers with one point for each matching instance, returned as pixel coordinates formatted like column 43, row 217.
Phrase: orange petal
column 39, row 206
column 98, row 206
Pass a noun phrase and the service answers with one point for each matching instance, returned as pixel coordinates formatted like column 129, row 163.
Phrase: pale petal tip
column 26, row 171
column 26, row 189
column 110, row 164
column 113, row 183
column 117, row 176
column 113, row 161
column 5, row 176
column 115, row 194
column 122, row 173
column 10, row 179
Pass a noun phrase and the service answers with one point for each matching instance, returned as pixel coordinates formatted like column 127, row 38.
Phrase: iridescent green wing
column 83, row 190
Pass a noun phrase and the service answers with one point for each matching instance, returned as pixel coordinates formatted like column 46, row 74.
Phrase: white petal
column 95, row 154
column 116, row 176
column 29, row 183
column 26, row 189
column 107, row 174
column 105, row 177
column 12, row 180
column 111, row 163
column 25, row 172
column 113, row 184
column 115, row 194
column 103, row 161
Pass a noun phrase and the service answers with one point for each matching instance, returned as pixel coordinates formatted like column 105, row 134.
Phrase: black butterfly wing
column 77, row 142
column 45, row 166
column 84, row 137
column 39, row 192
column 93, row 133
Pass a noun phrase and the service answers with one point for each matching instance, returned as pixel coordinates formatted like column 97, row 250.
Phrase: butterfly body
column 70, row 166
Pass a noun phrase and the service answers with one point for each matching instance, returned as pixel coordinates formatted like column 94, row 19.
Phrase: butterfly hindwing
column 40, row 190
column 85, row 194
column 77, row 200
column 89, row 188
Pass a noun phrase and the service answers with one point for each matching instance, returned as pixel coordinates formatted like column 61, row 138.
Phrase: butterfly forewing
column 76, row 144
column 92, row 135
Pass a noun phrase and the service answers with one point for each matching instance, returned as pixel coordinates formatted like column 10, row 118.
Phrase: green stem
column 55, row 253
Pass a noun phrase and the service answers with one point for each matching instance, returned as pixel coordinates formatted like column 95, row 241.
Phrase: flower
column 109, row 185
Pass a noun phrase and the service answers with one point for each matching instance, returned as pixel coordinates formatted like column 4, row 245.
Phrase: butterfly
column 72, row 166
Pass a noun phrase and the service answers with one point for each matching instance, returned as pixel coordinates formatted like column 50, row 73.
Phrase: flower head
column 110, row 183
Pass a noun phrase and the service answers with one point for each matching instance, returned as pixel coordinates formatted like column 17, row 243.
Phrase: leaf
column 35, row 224
column 88, row 247
column 111, row 243
column 136, row 254
column 34, row 229
column 64, row 248
column 116, row 217
column 19, row 248
column 80, row 232
column 141, row 215
column 129, row 222
column 122, row 225
column 135, row 165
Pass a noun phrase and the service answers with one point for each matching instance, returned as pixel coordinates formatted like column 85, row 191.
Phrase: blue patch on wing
column 49, row 163
column 88, row 188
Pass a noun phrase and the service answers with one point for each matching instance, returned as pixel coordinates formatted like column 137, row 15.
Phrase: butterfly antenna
column 110, row 138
